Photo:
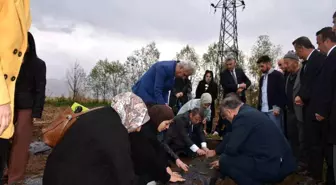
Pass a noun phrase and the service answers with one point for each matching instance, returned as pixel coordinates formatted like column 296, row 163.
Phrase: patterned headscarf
column 131, row 109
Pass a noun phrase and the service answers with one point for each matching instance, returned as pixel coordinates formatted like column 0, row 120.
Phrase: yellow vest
column 15, row 22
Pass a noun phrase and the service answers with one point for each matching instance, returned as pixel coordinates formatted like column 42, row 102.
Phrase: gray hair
column 188, row 66
column 231, row 101
column 230, row 59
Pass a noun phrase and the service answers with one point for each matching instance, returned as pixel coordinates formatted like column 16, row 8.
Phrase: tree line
column 108, row 78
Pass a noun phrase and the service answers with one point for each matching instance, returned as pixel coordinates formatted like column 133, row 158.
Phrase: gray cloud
column 190, row 21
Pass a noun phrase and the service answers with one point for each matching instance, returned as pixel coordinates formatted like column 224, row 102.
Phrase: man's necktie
column 234, row 77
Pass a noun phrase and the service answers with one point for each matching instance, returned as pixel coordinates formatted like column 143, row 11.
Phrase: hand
column 205, row 132
column 298, row 101
column 214, row 164
column 200, row 152
column 242, row 85
column 205, row 149
column 240, row 90
column 174, row 178
column 169, row 171
column 178, row 95
column 318, row 117
column 211, row 153
column 182, row 165
column 204, row 121
column 276, row 112
column 177, row 174
column 5, row 117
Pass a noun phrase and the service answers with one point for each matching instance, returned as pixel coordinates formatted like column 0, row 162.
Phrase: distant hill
column 57, row 88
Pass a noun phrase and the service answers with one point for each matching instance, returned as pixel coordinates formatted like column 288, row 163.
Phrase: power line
column 228, row 36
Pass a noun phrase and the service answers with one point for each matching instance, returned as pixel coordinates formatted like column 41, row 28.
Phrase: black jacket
column 229, row 85
column 325, row 98
column 275, row 90
column 31, row 82
column 177, row 136
column 309, row 72
column 211, row 89
column 95, row 150
column 257, row 146
column 181, row 85
column 149, row 156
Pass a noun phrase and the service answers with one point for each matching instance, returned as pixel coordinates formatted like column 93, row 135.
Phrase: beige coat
column 15, row 22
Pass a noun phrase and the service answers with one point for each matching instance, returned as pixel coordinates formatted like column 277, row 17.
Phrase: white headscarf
column 131, row 109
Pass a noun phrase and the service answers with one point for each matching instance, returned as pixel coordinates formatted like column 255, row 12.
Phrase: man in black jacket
column 29, row 103
column 313, row 138
column 324, row 96
column 186, row 134
column 233, row 79
column 179, row 94
column 272, row 95
column 255, row 152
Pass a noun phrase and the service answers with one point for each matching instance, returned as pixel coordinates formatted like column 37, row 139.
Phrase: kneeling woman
column 96, row 149
column 149, row 156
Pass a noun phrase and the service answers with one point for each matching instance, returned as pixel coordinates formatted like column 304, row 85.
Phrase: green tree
column 100, row 78
column 263, row 46
column 116, row 71
column 139, row 62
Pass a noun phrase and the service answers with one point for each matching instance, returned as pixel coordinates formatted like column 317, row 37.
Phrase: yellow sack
column 75, row 105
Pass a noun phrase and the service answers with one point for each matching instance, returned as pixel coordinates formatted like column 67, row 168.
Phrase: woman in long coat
column 148, row 153
column 96, row 149
column 208, row 85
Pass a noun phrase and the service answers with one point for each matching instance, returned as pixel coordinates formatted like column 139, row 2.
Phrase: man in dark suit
column 313, row 138
column 272, row 97
column 325, row 97
column 233, row 79
column 186, row 134
column 255, row 152
column 294, row 117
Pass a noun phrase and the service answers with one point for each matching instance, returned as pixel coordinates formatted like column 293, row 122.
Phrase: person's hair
column 197, row 111
column 303, row 42
column 189, row 66
column 334, row 16
column 264, row 59
column 231, row 101
column 230, row 59
column 327, row 33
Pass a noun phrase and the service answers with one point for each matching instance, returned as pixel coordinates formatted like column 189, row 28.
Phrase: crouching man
column 255, row 152
column 185, row 135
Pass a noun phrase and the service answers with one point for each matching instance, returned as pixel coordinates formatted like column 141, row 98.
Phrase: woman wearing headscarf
column 148, row 153
column 96, row 149
column 157, row 115
column 208, row 85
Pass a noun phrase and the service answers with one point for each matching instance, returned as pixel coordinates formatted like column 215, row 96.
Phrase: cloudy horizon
column 86, row 31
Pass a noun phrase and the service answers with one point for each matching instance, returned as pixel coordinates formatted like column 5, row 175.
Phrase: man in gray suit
column 294, row 111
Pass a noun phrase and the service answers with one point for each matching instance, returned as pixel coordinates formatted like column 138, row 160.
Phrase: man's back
column 154, row 85
column 258, row 136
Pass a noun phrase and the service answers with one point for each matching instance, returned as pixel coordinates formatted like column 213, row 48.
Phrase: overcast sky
column 83, row 30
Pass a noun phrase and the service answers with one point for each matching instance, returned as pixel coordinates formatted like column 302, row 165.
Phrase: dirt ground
column 37, row 162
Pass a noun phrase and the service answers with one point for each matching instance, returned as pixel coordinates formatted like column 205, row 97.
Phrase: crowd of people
column 137, row 139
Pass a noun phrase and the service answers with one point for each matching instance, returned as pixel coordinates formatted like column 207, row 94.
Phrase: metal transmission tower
column 228, row 36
